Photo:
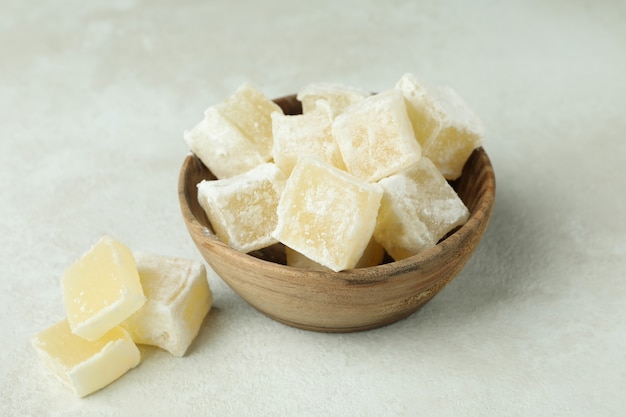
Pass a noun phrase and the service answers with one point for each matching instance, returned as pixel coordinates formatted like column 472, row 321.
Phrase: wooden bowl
column 345, row 301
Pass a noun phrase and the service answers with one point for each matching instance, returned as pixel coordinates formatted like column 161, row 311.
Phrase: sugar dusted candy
column 250, row 110
column 327, row 214
column 375, row 137
column 178, row 299
column 338, row 96
column 309, row 133
column 101, row 289
column 235, row 135
column 221, row 146
column 242, row 209
column 444, row 125
column 344, row 139
column 418, row 208
column 85, row 366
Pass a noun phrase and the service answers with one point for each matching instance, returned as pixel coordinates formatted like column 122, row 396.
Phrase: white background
column 94, row 97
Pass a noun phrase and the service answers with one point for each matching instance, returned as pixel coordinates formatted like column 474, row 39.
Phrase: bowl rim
column 371, row 274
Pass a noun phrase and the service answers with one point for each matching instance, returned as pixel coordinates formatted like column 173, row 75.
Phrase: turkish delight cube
column 242, row 209
column 221, row 146
column 178, row 298
column 235, row 135
column 101, row 289
column 444, row 125
column 418, row 208
column 375, row 137
column 338, row 96
column 82, row 365
column 327, row 214
column 250, row 110
column 305, row 134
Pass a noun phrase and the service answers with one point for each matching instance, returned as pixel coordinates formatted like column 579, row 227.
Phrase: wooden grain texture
column 343, row 301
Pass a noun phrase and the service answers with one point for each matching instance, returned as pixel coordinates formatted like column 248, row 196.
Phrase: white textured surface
column 94, row 97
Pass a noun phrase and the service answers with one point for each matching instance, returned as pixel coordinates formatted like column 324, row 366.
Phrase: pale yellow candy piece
column 338, row 96
column 250, row 110
column 375, row 137
column 305, row 134
column 101, row 289
column 327, row 214
column 178, row 299
column 86, row 366
column 444, row 125
column 372, row 256
column 221, row 146
column 418, row 208
column 242, row 209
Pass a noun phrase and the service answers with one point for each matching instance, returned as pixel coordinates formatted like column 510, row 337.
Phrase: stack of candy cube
column 352, row 177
